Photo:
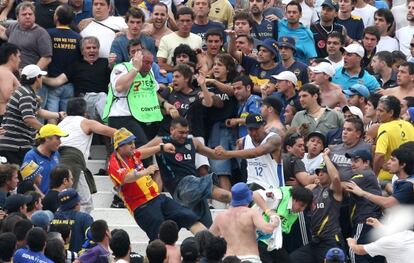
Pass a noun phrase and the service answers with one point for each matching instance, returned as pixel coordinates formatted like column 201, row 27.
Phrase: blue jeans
column 43, row 93
column 221, row 135
column 57, row 99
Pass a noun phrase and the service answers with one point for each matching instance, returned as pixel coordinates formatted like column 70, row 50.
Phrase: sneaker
column 117, row 202
column 102, row 172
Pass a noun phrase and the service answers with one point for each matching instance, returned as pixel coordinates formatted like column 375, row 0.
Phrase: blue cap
column 331, row 4
column 68, row 199
column 336, row 254
column 241, row 195
column 287, row 42
column 42, row 218
column 357, row 89
column 269, row 44
column 363, row 154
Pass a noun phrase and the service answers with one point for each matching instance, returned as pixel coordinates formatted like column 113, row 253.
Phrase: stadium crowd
column 294, row 117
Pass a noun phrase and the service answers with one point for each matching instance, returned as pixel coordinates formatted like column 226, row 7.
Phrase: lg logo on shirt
column 179, row 156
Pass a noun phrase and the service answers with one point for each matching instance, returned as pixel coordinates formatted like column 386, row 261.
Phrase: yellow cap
column 122, row 136
column 30, row 170
column 50, row 130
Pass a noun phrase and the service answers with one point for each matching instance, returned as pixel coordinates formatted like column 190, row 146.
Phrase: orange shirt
column 137, row 193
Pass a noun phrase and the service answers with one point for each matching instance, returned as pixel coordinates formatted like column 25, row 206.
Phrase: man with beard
column 158, row 28
column 382, row 66
column 405, row 81
column 326, row 25
column 262, row 26
column 405, row 34
column 261, row 69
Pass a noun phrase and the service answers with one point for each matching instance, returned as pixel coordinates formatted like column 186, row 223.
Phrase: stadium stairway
column 119, row 217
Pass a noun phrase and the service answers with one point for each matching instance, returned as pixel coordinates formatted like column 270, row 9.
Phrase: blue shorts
column 150, row 215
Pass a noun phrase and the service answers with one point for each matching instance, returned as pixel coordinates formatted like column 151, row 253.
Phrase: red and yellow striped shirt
column 137, row 193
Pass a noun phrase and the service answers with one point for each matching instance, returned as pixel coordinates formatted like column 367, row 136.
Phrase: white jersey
column 263, row 170
column 77, row 137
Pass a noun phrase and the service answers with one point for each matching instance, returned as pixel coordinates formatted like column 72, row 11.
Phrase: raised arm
column 232, row 46
column 334, row 176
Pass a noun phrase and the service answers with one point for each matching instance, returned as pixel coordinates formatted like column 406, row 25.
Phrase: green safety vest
column 142, row 98
column 286, row 216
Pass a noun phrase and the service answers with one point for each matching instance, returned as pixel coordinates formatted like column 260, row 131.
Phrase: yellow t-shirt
column 390, row 136
column 222, row 11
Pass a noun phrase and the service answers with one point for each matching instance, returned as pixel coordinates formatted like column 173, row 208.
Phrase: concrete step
column 103, row 183
column 103, row 199
column 98, row 152
column 122, row 217
column 95, row 165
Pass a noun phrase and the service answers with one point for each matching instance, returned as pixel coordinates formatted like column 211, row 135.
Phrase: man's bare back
column 238, row 227
column 8, row 84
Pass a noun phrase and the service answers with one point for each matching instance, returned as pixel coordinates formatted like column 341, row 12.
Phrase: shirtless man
column 405, row 81
column 239, row 223
column 331, row 94
column 214, row 43
column 9, row 63
column 158, row 28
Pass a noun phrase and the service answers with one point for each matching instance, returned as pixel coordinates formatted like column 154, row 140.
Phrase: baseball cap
column 355, row 49
column 287, row 75
column 190, row 249
column 321, row 168
column 269, row 44
column 317, row 134
column 286, row 42
column 324, row 67
column 32, row 71
column 30, row 170
column 254, row 120
column 357, row 89
column 331, row 4
column 335, row 254
column 42, row 218
column 49, row 130
column 354, row 110
column 14, row 202
column 68, row 198
column 363, row 154
column 123, row 136
column 241, row 195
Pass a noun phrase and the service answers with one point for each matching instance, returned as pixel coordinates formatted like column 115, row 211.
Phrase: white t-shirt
column 400, row 15
column 336, row 65
column 104, row 34
column 404, row 36
column 396, row 248
column 312, row 164
column 169, row 2
column 169, row 42
column 309, row 14
column 366, row 13
column 387, row 43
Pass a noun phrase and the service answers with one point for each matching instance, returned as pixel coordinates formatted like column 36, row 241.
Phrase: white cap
column 354, row 110
column 32, row 71
column 287, row 75
column 324, row 67
column 356, row 49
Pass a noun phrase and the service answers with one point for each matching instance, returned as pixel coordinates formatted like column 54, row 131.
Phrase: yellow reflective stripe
column 337, row 238
column 324, row 222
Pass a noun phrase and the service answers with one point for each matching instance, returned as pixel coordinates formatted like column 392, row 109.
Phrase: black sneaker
column 102, row 172
column 117, row 202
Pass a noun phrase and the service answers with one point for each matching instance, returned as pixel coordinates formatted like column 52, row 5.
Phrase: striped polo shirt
column 22, row 105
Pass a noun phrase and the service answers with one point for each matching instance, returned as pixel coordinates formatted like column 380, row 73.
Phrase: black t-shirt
column 51, row 201
column 291, row 166
column 320, row 36
column 89, row 78
column 44, row 14
column 189, row 106
column 362, row 208
column 229, row 109
column 175, row 166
